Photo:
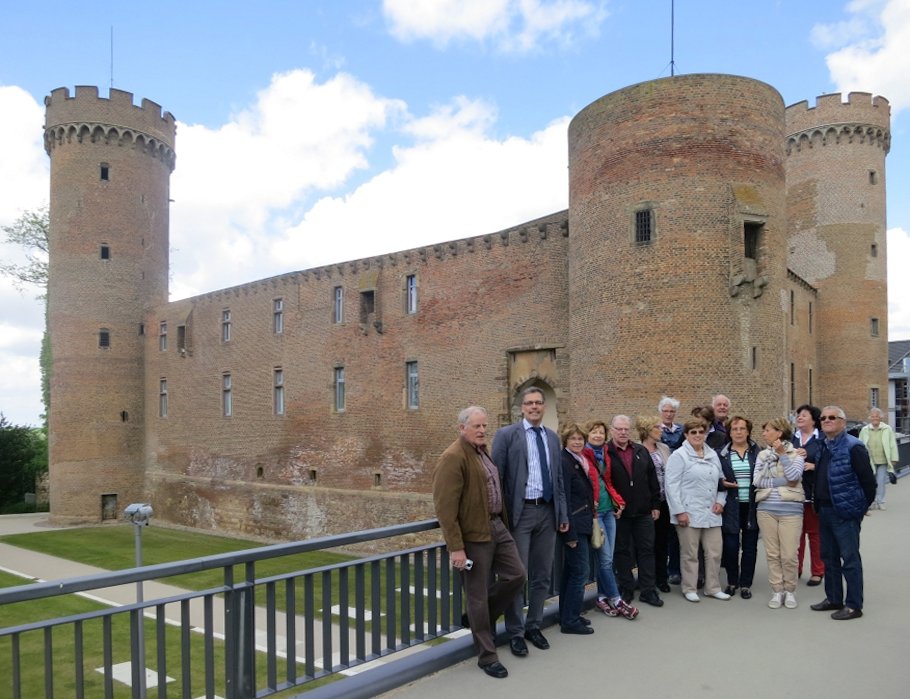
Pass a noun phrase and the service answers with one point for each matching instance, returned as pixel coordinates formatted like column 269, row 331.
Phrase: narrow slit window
column 339, row 389
column 644, row 226
column 105, row 251
column 104, row 338
column 105, row 172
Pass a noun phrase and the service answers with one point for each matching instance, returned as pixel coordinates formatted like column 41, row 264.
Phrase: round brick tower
column 677, row 247
column 110, row 168
column 836, row 208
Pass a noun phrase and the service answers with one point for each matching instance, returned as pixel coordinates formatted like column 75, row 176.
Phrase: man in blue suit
column 528, row 456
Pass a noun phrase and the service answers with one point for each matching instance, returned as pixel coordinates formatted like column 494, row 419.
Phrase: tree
column 30, row 232
column 23, row 457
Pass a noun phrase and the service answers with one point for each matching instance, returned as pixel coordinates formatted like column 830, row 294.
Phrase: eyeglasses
column 825, row 418
column 533, row 402
column 698, row 431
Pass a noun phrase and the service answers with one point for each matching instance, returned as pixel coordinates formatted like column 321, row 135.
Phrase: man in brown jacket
column 468, row 498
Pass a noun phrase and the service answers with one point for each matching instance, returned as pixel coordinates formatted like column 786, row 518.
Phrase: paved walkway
column 731, row 650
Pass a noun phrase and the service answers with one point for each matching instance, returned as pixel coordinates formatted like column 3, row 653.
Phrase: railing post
column 239, row 639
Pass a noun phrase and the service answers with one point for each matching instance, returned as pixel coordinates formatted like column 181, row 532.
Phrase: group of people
column 671, row 506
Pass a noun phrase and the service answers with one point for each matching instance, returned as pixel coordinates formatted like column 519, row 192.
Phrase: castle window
column 367, row 305
column 278, row 390
column 873, row 250
column 162, row 398
column 142, row 328
column 413, row 385
column 181, row 338
column 162, row 336
column 278, row 316
column 873, row 398
column 339, row 389
column 751, row 240
column 792, row 386
column 811, row 319
column 124, row 416
column 810, row 385
column 754, row 358
column 105, row 172
column 644, row 226
column 226, row 325
column 410, row 302
column 792, row 307
column 227, row 396
column 104, row 338
column 873, row 327
column 338, row 305
column 873, row 177
column 105, row 251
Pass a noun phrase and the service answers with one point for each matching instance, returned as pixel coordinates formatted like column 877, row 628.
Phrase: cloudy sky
column 326, row 130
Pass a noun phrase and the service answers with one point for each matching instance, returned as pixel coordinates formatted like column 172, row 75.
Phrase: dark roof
column 897, row 350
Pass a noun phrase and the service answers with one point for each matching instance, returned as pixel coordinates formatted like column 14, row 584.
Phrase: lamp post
column 139, row 514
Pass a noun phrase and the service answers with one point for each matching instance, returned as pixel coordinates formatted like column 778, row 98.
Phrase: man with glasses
column 635, row 479
column 528, row 456
column 844, row 490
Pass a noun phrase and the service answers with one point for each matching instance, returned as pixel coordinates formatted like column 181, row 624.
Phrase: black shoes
column 825, row 605
column 674, row 580
column 814, row 581
column 651, row 598
column 730, row 590
column 495, row 669
column 579, row 629
column 746, row 593
column 847, row 613
column 537, row 639
column 663, row 587
column 518, row 646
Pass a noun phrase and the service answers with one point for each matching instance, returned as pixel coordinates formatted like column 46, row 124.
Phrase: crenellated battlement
column 552, row 226
column 861, row 108
column 114, row 119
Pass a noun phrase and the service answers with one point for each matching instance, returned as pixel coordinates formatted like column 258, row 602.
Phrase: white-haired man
column 469, row 505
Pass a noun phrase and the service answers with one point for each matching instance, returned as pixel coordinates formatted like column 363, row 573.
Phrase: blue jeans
column 606, row 578
column 574, row 578
column 881, row 481
column 840, row 554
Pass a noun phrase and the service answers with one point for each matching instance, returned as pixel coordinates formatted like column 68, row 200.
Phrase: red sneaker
column 626, row 609
column 603, row 605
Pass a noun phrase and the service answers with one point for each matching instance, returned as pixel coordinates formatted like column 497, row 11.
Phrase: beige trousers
column 781, row 534
column 711, row 542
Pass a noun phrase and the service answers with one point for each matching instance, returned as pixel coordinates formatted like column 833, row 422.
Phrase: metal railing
column 250, row 637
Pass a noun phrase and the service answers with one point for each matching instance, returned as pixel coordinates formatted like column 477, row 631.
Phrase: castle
column 715, row 241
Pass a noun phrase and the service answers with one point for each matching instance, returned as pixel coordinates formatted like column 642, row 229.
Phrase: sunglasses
column 825, row 418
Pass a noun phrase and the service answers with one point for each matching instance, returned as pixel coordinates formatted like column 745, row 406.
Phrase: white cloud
column 870, row 49
column 898, row 284
column 510, row 25
column 24, row 176
column 23, row 165
column 456, row 181
column 233, row 184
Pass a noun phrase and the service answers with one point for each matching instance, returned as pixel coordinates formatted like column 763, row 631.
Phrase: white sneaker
column 774, row 602
column 882, row 507
column 720, row 595
column 692, row 597
column 789, row 601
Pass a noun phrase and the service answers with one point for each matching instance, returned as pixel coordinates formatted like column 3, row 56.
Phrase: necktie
column 544, row 467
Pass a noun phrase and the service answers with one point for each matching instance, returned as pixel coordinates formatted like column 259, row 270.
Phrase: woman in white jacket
column 696, row 503
column 879, row 440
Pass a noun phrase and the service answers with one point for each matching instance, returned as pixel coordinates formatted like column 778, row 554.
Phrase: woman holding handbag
column 779, row 494
column 609, row 507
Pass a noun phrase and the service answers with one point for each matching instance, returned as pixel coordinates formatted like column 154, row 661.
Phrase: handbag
column 597, row 534
column 892, row 477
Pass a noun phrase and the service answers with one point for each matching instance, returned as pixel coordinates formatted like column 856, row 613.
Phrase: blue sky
column 325, row 130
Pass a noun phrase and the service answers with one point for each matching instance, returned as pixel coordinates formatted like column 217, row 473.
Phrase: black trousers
column 635, row 531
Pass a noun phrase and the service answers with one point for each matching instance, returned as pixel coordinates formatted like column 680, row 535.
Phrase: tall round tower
column 110, row 169
column 677, row 248
column 835, row 172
